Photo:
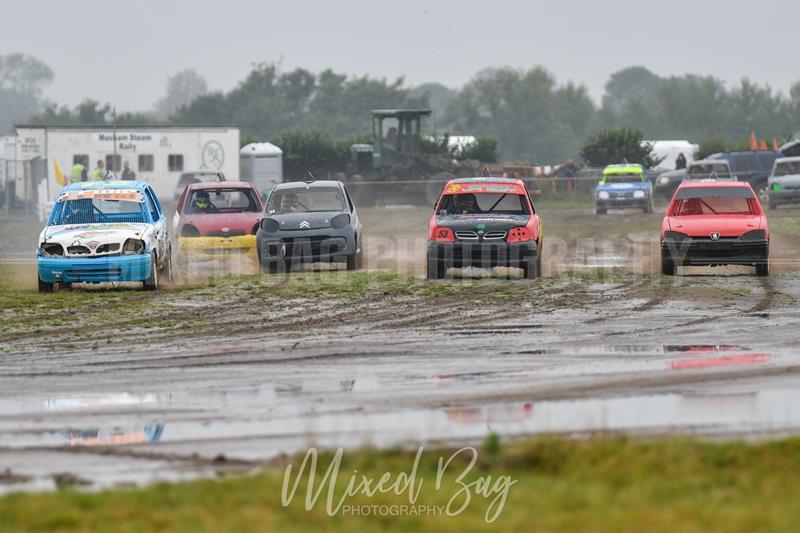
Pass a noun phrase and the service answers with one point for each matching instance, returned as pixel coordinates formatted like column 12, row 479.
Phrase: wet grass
column 600, row 484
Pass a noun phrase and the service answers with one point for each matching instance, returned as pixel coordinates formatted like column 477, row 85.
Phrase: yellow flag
column 58, row 174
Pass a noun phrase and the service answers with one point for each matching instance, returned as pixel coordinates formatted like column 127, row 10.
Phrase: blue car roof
column 111, row 184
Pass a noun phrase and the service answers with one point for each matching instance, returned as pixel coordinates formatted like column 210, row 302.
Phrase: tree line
column 531, row 114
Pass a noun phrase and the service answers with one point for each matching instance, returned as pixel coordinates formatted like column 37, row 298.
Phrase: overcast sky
column 123, row 52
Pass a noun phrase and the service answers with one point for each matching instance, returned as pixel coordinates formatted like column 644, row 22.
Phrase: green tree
column 531, row 117
column 182, row 89
column 618, row 145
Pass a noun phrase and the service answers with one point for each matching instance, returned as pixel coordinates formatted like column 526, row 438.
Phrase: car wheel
column 168, row 267
column 352, row 261
column 763, row 193
column 531, row 269
column 539, row 265
column 762, row 269
column 44, row 286
column 151, row 283
column 667, row 265
column 649, row 208
column 602, row 210
column 66, row 285
column 435, row 269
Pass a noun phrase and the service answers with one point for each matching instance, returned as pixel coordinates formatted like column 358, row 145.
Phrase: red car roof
column 704, row 184
column 221, row 185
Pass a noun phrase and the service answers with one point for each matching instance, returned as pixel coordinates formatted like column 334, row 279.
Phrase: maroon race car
column 218, row 220
column 711, row 223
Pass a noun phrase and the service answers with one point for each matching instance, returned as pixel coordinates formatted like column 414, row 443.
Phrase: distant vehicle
column 197, row 176
column 104, row 231
column 710, row 169
column 217, row 220
column 715, row 223
column 667, row 182
column 624, row 186
column 784, row 182
column 484, row 222
column 754, row 167
column 309, row 222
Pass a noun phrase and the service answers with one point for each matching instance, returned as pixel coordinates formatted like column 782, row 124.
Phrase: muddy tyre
column 531, row 269
column 435, row 269
column 667, row 265
column 762, row 269
column 352, row 261
column 601, row 211
column 44, row 286
column 151, row 283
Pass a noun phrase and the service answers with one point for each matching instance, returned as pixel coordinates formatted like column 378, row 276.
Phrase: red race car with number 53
column 484, row 222
column 711, row 223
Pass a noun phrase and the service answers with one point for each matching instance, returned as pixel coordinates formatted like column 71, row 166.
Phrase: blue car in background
column 624, row 186
column 102, row 231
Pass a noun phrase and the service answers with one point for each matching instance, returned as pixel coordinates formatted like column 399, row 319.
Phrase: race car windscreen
column 98, row 211
column 622, row 178
column 311, row 200
column 715, row 201
column 699, row 172
column 210, row 201
column 483, row 203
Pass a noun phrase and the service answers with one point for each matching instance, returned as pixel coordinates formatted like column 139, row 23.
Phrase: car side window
column 152, row 205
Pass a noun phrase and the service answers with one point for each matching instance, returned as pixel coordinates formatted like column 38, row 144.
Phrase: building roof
column 260, row 149
column 124, row 127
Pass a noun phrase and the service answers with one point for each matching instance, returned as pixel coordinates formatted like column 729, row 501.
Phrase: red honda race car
column 484, row 222
column 712, row 223
column 218, row 220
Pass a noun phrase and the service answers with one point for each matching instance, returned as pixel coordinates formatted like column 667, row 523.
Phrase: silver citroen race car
column 309, row 222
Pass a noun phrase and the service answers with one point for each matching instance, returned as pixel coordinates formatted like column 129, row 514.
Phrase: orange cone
column 762, row 145
column 753, row 141
column 775, row 146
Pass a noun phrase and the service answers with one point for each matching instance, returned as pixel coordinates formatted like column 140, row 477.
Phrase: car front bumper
column 113, row 268
column 482, row 254
column 216, row 248
column 327, row 245
column 623, row 202
column 705, row 252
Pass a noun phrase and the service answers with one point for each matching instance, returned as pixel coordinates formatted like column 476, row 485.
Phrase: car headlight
column 340, row 221
column 638, row 194
column 133, row 247
column 270, row 225
column 674, row 236
column 663, row 180
column 52, row 249
column 755, row 235
column 603, row 195
column 189, row 231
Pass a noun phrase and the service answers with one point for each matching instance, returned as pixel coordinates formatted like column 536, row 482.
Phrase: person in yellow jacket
column 78, row 172
column 99, row 173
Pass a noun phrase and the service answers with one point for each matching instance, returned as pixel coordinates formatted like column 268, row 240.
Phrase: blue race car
column 103, row 231
column 624, row 186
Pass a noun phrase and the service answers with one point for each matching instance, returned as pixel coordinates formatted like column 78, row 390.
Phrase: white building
column 157, row 154
column 262, row 164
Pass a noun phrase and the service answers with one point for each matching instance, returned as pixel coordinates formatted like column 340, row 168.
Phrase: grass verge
column 601, row 484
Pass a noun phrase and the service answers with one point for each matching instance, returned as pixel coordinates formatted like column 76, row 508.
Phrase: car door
column 159, row 223
column 353, row 211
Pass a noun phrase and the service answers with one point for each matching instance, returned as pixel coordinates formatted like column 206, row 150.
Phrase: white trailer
column 157, row 154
